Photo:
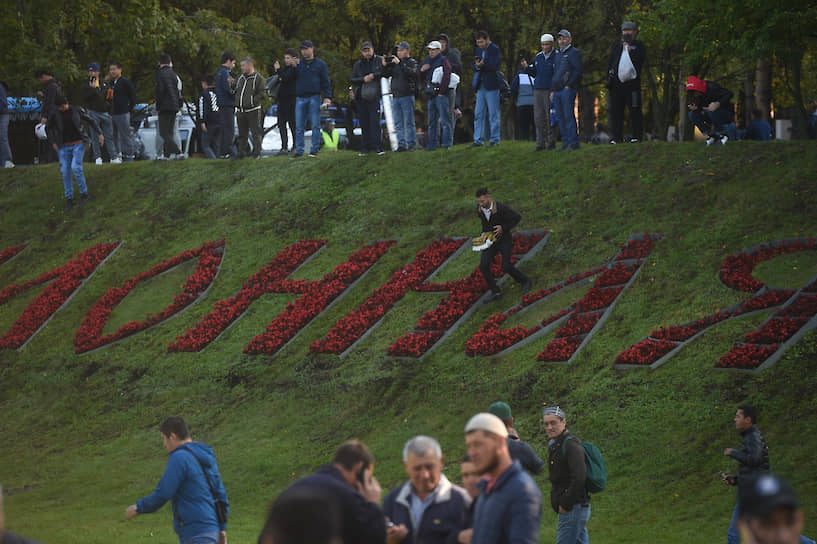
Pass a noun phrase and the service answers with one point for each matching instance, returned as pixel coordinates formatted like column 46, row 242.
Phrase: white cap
column 546, row 38
column 434, row 45
column 487, row 422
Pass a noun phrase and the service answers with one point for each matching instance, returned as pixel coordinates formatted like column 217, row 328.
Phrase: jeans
column 5, row 150
column 227, row 115
column 308, row 107
column 626, row 96
column 487, row 101
column 564, row 101
column 249, row 124
column 524, row 118
column 205, row 538
column 732, row 534
column 71, row 162
column 572, row 527
column 210, row 141
column 167, row 129
column 438, row 113
column 286, row 119
column 503, row 246
column 369, row 114
column 106, row 125
column 124, row 143
column 712, row 122
column 541, row 118
column 403, row 108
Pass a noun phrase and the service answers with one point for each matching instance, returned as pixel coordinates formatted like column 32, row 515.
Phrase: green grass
column 79, row 433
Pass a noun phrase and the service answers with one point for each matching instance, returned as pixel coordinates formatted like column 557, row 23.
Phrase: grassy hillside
column 79, row 433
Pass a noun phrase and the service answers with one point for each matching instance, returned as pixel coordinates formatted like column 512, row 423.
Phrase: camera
column 389, row 59
column 628, row 38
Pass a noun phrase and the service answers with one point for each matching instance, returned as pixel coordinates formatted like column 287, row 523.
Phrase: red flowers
column 89, row 335
column 65, row 280
column 645, row 352
column 736, row 270
column 11, row 252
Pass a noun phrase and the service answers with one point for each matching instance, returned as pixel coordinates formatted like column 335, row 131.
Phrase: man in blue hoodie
column 192, row 483
column 542, row 69
column 566, row 79
column 486, row 84
column 225, row 100
column 312, row 80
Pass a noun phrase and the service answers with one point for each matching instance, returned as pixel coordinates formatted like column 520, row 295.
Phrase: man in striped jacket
column 249, row 93
column 209, row 120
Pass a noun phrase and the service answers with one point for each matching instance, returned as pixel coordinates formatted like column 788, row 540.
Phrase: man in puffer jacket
column 250, row 90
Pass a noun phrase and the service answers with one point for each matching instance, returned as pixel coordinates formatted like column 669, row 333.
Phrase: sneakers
column 115, row 160
column 83, row 198
column 613, row 142
column 313, row 154
column 296, row 155
column 715, row 139
column 9, row 164
column 724, row 139
column 69, row 204
column 381, row 152
column 161, row 158
column 99, row 160
column 634, row 140
column 493, row 297
column 493, row 144
column 473, row 145
column 282, row 152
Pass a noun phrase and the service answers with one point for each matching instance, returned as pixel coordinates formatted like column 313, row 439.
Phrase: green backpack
column 596, row 479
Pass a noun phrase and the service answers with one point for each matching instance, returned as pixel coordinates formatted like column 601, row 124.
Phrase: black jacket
column 93, row 98
column 638, row 54
column 167, row 90
column 567, row 473
column 51, row 92
column 522, row 451
column 714, row 93
column 124, row 96
column 362, row 68
column 403, row 77
column 753, row 456
column 55, row 128
column 501, row 215
column 287, row 76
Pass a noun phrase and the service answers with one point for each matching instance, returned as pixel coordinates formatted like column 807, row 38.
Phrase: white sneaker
column 115, row 160
column 98, row 160
column 709, row 141
column 724, row 139
column 9, row 164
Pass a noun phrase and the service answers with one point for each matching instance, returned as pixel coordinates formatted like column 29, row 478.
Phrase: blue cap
column 306, row 43
column 93, row 67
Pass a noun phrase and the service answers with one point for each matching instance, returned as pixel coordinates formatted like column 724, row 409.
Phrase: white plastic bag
column 437, row 78
column 626, row 70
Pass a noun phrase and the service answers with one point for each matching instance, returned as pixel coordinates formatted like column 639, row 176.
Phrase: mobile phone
column 361, row 474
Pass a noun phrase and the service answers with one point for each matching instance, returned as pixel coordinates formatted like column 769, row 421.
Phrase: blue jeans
column 572, row 527
column 712, row 122
column 307, row 107
column 5, row 150
column 438, row 114
column 123, row 145
column 403, row 109
column 732, row 535
column 106, row 125
column 486, row 101
column 564, row 101
column 204, row 538
column 210, row 141
column 71, row 162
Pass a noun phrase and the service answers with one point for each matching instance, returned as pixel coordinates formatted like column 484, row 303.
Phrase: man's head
column 42, row 76
column 483, row 39
column 404, row 50
column 695, row 85
column 443, row 39
column 502, row 411
column 745, row 417
column 62, row 103
column 290, row 56
column 565, row 38
column 174, row 432
column 553, row 418
column 302, row 516
column 208, row 81
column 93, row 69
column 307, row 50
column 484, row 198
column 367, row 50
column 423, row 461
column 434, row 49
column 769, row 511
column 115, row 70
column 628, row 31
column 486, row 438
column 228, row 60
column 352, row 458
column 164, row 60
column 470, row 476
column 247, row 66
column 547, row 43
column 756, row 115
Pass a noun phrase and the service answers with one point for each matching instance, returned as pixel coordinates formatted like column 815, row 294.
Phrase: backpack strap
column 564, row 443
column 207, row 479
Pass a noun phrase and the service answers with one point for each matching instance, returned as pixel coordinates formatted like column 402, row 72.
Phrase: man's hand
column 56, row 147
column 498, row 230
column 551, row 96
column 327, row 101
column 563, row 511
column 43, row 120
column 131, row 512
column 396, row 534
column 479, row 63
column 276, row 65
column 369, row 487
column 101, row 139
column 203, row 127
column 458, row 113
column 368, row 78
column 425, row 67
column 728, row 451
column 692, row 107
column 465, row 536
column 713, row 106
column 395, row 59
column 222, row 537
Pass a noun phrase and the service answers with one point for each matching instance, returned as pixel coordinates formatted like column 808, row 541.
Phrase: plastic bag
column 626, row 70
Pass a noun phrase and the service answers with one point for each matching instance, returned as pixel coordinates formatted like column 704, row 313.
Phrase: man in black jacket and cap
column 626, row 94
column 366, row 81
column 93, row 96
column 168, row 102
column 710, row 109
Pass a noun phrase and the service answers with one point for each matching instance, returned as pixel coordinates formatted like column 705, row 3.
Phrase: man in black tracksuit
column 626, row 94
column 753, row 458
column 499, row 219
column 286, row 97
column 366, row 81
column 168, row 102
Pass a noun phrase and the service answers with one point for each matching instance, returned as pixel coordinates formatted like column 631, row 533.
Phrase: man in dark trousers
column 286, row 98
column 567, row 471
column 626, row 94
column 752, row 457
column 209, row 119
column 710, row 109
column 348, row 481
column 250, row 91
column 542, row 69
column 366, row 75
column 226, row 103
column 498, row 219
column 167, row 104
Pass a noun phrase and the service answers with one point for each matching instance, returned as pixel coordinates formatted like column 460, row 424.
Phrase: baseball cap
column 366, row 45
column 306, row 43
column 434, row 45
column 764, row 494
column 501, row 410
column 629, row 25
column 403, row 45
column 566, row 33
column 546, row 38
column 93, row 67
column 488, row 423
column 695, row 84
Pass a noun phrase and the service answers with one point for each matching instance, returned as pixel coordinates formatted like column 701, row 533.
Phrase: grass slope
column 79, row 433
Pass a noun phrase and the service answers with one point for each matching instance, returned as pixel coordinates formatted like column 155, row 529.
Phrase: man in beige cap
column 541, row 69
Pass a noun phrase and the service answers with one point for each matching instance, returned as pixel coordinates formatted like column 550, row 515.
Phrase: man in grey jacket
column 249, row 93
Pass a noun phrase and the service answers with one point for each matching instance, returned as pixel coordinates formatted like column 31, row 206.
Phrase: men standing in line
column 498, row 219
column 209, row 119
column 312, row 81
column 226, row 103
column 123, row 96
column 403, row 72
column 168, row 101
column 250, row 90
column 542, row 69
column 510, row 506
column 710, row 109
column 455, row 59
column 522, row 91
column 192, row 483
column 349, row 482
column 366, row 75
column 626, row 93
column 520, row 450
column 427, row 508
column 567, row 472
column 566, row 79
column 486, row 84
column 439, row 121
column 286, row 98
column 95, row 104
column 752, row 457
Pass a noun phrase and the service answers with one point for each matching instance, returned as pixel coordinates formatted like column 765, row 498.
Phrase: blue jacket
column 4, row 104
column 522, row 89
column 510, row 512
column 486, row 78
column 568, row 72
column 184, row 484
column 542, row 69
column 313, row 78
column 442, row 521
column 224, row 94
column 759, row 130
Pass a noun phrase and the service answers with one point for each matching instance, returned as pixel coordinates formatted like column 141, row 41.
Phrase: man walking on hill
column 498, row 219
column 226, row 103
column 249, row 93
column 168, row 102
column 568, row 473
column 312, row 81
column 192, row 483
column 366, row 75
column 626, row 94
column 520, row 450
column 566, row 79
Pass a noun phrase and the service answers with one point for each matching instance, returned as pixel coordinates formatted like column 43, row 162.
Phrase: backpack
column 596, row 479
column 504, row 87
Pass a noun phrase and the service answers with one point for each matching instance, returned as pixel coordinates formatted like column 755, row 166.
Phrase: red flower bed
column 746, row 356
column 578, row 324
column 645, row 352
column 776, row 330
column 64, row 280
column 617, row 274
column 805, row 305
column 773, row 297
column 89, row 335
column 597, row 299
column 638, row 247
column 675, row 334
column 736, row 270
column 560, row 349
column 10, row 252
column 415, row 344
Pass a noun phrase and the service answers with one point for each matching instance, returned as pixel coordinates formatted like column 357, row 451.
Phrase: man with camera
column 626, row 93
column 403, row 72
column 93, row 96
column 486, row 85
column 439, row 119
column 192, row 483
column 366, row 75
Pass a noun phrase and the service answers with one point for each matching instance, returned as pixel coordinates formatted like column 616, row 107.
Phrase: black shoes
column 83, row 198
column 493, row 297
column 69, row 204
column 473, row 145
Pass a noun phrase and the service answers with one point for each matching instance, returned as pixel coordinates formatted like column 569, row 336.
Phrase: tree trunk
column 799, row 119
column 748, row 97
column 763, row 88
column 682, row 104
column 587, row 114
